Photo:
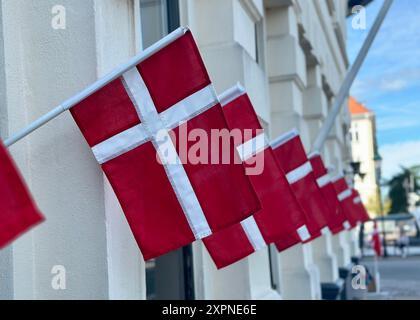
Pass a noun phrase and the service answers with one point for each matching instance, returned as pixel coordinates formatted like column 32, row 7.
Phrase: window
column 249, row 30
column 169, row 276
column 259, row 42
column 274, row 268
column 354, row 133
column 158, row 18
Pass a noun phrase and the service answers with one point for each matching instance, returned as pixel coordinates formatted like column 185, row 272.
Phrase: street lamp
column 355, row 170
column 355, row 165
column 378, row 165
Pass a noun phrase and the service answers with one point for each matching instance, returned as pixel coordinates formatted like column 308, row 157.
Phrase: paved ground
column 400, row 278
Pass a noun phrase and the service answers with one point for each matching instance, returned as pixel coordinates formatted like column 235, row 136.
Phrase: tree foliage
column 400, row 186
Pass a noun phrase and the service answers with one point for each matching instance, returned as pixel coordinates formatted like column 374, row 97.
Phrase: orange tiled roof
column 356, row 107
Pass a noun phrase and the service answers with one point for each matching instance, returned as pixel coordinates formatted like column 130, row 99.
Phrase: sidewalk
column 400, row 278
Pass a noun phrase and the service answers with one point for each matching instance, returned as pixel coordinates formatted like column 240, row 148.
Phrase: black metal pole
column 381, row 208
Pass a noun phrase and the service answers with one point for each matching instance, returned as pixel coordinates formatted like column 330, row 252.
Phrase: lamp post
column 355, row 166
column 378, row 164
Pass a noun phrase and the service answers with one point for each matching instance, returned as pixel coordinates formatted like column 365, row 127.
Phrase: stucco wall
column 44, row 66
column 85, row 229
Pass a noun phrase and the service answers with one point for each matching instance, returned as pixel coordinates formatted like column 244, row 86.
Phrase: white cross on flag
column 133, row 125
column 280, row 219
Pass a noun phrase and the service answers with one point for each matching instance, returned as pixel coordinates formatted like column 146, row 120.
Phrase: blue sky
column 389, row 81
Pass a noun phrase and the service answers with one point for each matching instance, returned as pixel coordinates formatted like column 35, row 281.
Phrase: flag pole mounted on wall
column 349, row 79
column 66, row 105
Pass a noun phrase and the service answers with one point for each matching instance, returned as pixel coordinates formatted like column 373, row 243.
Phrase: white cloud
column 397, row 122
column 392, row 64
column 399, row 154
column 393, row 85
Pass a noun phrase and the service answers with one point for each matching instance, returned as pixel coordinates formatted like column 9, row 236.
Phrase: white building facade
column 289, row 54
column 363, row 143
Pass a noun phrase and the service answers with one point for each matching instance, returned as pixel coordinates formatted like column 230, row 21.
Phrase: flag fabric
column 292, row 158
column 336, row 216
column 280, row 219
column 376, row 240
column 141, row 128
column 363, row 215
column 234, row 243
column 345, row 197
column 18, row 213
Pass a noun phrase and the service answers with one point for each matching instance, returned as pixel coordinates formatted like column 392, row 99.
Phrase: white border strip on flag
column 325, row 231
column 314, row 154
column 357, row 200
column 151, row 120
column 284, row 138
column 303, row 233
column 252, row 147
column 231, row 94
column 253, row 233
column 323, row 181
column 346, row 225
column 299, row 173
column 344, row 195
column 336, row 178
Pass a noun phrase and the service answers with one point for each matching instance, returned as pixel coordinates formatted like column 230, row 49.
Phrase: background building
column 364, row 149
column 289, row 54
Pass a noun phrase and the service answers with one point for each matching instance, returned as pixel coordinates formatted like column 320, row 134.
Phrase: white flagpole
column 348, row 80
column 66, row 105
column 377, row 275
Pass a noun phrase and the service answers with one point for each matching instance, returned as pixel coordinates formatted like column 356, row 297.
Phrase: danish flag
column 18, row 212
column 376, row 240
column 362, row 213
column 291, row 156
column 336, row 216
column 280, row 219
column 345, row 196
column 135, row 126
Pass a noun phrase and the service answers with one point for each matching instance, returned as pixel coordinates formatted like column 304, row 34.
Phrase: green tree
column 400, row 186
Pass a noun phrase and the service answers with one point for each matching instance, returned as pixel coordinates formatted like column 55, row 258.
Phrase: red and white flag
column 291, row 156
column 141, row 129
column 336, row 216
column 345, row 197
column 376, row 240
column 280, row 219
column 18, row 213
column 363, row 215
